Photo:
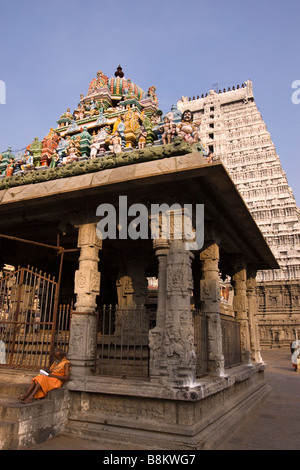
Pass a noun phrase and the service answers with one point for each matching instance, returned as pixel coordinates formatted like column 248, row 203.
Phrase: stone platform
column 155, row 417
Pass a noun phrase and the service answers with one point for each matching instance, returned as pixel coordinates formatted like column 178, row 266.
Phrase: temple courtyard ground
column 274, row 425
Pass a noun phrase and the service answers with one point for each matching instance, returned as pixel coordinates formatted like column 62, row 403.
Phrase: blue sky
column 51, row 50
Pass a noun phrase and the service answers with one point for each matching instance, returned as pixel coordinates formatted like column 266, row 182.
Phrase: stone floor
column 274, row 425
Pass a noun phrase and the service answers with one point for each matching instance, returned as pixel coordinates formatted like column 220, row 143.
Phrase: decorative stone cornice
column 178, row 147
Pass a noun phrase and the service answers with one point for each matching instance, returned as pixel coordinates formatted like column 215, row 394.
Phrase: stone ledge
column 202, row 388
column 164, row 423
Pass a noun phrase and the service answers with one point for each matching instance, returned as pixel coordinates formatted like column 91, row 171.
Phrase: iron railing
column 200, row 342
column 122, row 342
column 31, row 322
column 62, row 330
column 28, row 303
column 231, row 341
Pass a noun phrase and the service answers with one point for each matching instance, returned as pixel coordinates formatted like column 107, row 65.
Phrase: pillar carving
column 87, row 286
column 210, row 305
column 239, row 282
column 172, row 355
column 252, row 311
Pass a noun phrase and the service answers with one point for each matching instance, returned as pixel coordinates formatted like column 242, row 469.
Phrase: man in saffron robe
column 42, row 384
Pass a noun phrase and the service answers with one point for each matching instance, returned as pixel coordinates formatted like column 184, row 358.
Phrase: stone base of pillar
column 82, row 343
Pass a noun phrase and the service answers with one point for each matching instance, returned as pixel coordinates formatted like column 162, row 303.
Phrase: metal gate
column 28, row 306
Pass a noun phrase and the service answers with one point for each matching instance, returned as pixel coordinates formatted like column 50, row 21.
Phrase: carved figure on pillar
column 172, row 354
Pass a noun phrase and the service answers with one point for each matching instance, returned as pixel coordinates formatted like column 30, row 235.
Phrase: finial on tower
column 119, row 72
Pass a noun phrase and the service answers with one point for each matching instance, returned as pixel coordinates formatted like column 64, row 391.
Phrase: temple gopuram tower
column 234, row 130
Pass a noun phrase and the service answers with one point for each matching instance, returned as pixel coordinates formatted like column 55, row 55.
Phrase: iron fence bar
column 96, row 342
column 43, row 316
column 33, row 316
column 56, row 298
column 16, row 313
column 115, row 343
column 121, row 341
column 20, row 323
column 103, row 326
column 51, row 322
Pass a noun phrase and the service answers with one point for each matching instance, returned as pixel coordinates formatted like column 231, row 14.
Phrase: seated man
column 42, row 384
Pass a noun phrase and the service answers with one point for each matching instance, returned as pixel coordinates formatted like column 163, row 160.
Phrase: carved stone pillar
column 172, row 341
column 210, row 305
column 87, row 286
column 252, row 311
column 239, row 282
column 157, row 368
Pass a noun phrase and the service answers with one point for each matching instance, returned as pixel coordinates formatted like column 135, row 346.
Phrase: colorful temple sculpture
column 165, row 353
column 115, row 116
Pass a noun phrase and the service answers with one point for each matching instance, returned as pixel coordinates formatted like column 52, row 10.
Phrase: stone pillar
column 252, row 311
column 210, row 305
column 239, row 282
column 158, row 371
column 83, row 330
column 172, row 354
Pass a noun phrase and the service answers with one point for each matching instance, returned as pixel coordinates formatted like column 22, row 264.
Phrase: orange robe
column 50, row 383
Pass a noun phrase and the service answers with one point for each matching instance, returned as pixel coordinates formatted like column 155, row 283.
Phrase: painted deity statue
column 98, row 145
column 152, row 94
column 71, row 157
column 49, row 143
column 116, row 143
column 186, row 129
column 54, row 159
column 10, row 168
column 79, row 112
column 119, row 126
column 28, row 161
column 97, row 83
column 92, row 109
column 142, row 137
column 168, row 130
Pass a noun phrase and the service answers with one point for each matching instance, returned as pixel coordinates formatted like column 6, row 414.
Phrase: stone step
column 13, row 389
column 25, row 424
column 14, row 383
column 125, row 433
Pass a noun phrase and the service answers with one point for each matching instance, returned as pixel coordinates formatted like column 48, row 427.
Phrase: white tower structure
column 234, row 130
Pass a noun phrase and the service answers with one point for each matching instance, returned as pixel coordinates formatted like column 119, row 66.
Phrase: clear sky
column 51, row 50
